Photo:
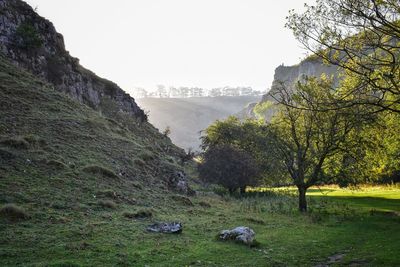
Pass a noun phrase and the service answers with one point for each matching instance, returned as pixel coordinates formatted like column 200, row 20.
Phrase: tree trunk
column 302, row 198
column 242, row 190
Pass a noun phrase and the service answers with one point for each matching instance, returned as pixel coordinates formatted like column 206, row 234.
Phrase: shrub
column 167, row 131
column 107, row 204
column 6, row 155
column 58, row 165
column 139, row 162
column 95, row 169
column 205, row 204
column 13, row 212
column 27, row 37
column 230, row 167
column 15, row 142
column 34, row 140
column 141, row 214
column 147, row 156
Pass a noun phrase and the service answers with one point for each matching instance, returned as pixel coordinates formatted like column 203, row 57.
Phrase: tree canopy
column 362, row 38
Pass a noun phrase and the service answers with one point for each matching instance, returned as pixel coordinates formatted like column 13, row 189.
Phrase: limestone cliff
column 289, row 75
column 310, row 67
column 30, row 41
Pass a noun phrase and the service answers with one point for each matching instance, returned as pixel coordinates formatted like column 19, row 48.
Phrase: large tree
column 308, row 141
column 362, row 38
column 250, row 136
column 230, row 167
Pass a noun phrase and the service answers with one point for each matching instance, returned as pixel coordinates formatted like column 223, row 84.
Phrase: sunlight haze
column 177, row 42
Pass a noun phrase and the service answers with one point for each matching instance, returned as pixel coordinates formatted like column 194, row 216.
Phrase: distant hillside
column 186, row 117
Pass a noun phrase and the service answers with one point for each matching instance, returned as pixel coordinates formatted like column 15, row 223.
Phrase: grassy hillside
column 188, row 116
column 79, row 189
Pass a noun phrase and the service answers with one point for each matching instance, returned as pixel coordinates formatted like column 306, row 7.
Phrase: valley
column 187, row 117
column 90, row 176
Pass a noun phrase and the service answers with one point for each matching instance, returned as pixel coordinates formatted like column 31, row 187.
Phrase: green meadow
column 343, row 228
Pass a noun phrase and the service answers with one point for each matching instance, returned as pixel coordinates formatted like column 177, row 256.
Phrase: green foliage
column 100, row 170
column 315, row 144
column 362, row 39
column 248, row 135
column 27, row 37
column 13, row 212
column 264, row 109
column 228, row 166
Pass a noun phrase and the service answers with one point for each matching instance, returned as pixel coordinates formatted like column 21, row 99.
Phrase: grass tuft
column 13, row 212
column 182, row 200
column 34, row 140
column 205, row 204
column 107, row 204
column 99, row 170
column 6, row 155
column 56, row 164
column 15, row 142
column 147, row 156
column 141, row 214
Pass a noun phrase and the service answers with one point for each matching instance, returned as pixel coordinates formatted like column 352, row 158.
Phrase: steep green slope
column 188, row 116
column 64, row 163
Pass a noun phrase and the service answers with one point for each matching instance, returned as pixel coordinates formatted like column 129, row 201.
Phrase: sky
column 204, row 43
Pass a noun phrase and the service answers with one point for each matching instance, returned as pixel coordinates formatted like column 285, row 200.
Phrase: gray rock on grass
column 165, row 227
column 241, row 234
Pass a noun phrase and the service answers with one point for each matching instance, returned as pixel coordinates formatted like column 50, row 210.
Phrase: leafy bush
column 27, row 37
column 230, row 167
column 183, row 200
column 205, row 204
column 13, row 212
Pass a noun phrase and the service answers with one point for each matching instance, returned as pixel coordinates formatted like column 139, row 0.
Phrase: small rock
column 240, row 234
column 165, row 227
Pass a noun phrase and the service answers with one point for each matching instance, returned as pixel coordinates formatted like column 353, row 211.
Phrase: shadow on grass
column 367, row 203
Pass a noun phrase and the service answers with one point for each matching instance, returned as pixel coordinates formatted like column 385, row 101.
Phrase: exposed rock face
column 179, row 182
column 288, row 76
column 310, row 67
column 240, row 234
column 32, row 42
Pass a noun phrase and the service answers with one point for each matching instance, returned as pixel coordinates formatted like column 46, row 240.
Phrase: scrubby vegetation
column 230, row 167
column 13, row 213
column 27, row 37
column 79, row 187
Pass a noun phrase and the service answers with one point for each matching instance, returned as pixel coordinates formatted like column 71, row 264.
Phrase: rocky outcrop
column 30, row 41
column 166, row 227
column 289, row 75
column 178, row 181
column 239, row 234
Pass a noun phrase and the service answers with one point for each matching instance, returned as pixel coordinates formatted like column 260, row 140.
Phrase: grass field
column 339, row 230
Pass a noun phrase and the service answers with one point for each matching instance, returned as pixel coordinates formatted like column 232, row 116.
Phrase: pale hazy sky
column 206, row 43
